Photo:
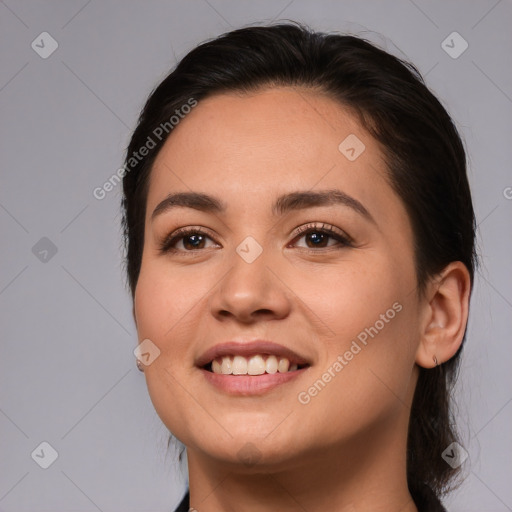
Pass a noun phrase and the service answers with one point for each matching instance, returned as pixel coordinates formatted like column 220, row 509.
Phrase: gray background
column 68, row 374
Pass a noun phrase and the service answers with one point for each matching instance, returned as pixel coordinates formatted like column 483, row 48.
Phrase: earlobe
column 446, row 313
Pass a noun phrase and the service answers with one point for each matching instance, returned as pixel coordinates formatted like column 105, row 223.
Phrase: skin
column 345, row 450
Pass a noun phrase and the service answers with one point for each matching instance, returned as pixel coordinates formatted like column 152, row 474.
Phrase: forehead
column 294, row 120
column 266, row 143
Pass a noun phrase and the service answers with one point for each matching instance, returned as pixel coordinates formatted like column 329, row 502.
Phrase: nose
column 249, row 292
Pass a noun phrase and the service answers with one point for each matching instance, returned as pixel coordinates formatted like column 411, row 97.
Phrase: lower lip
column 248, row 385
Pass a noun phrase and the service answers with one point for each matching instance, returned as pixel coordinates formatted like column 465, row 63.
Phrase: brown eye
column 190, row 240
column 322, row 237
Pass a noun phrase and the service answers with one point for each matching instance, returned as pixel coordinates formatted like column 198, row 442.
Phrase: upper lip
column 250, row 348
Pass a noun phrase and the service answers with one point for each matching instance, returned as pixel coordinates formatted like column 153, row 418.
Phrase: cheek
column 367, row 357
column 164, row 300
column 164, row 308
column 356, row 295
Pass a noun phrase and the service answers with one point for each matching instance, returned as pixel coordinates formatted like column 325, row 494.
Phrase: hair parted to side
column 424, row 156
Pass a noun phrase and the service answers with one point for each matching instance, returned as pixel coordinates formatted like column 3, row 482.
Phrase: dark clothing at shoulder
column 184, row 505
column 425, row 501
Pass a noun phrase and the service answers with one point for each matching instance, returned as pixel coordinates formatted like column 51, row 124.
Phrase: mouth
column 250, row 368
column 257, row 364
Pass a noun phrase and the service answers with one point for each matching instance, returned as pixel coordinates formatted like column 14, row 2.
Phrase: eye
column 193, row 239
column 184, row 240
column 319, row 236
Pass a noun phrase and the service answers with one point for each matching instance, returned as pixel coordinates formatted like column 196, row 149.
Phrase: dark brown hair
column 425, row 160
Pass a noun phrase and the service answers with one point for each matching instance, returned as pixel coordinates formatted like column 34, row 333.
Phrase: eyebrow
column 288, row 202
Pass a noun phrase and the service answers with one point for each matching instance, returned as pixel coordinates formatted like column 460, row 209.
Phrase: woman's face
column 279, row 167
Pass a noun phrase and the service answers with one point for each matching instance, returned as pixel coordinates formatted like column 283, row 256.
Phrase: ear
column 445, row 314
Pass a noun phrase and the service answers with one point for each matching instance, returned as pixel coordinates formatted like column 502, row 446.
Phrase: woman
column 300, row 253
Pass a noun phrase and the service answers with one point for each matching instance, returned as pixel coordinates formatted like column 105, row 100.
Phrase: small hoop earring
column 435, row 360
column 140, row 366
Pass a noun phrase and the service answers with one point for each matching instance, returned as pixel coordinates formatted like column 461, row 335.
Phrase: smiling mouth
column 257, row 364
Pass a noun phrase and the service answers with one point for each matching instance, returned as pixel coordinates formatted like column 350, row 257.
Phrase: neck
column 367, row 473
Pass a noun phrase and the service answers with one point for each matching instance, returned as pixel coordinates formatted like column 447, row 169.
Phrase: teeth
column 254, row 365
column 216, row 366
column 226, row 367
column 271, row 364
column 283, row 365
column 239, row 365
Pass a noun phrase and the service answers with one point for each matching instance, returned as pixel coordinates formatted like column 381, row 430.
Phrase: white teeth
column 216, row 367
column 271, row 364
column 254, row 365
column 283, row 366
column 226, row 368
column 239, row 365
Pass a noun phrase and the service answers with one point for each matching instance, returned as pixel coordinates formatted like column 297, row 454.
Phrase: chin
column 252, row 457
column 249, row 453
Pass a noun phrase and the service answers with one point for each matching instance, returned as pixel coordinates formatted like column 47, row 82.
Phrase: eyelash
column 165, row 246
